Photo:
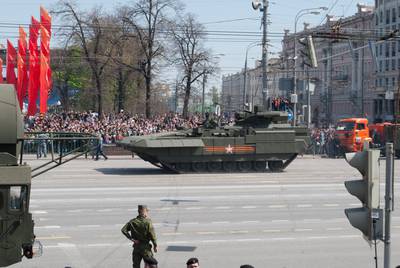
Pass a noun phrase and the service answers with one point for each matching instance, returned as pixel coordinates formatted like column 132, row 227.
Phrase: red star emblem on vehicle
column 229, row 149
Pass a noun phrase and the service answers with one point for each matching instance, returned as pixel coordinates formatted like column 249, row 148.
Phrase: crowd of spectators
column 112, row 127
column 280, row 104
column 324, row 142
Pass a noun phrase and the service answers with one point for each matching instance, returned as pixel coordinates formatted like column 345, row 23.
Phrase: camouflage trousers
column 137, row 257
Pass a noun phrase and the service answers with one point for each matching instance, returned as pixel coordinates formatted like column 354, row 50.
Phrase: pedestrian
column 140, row 231
column 99, row 148
column 150, row 262
column 193, row 263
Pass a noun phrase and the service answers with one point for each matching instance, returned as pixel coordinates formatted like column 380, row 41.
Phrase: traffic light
column 368, row 218
column 308, row 51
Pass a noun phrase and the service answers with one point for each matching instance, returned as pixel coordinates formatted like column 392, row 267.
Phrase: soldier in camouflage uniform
column 140, row 231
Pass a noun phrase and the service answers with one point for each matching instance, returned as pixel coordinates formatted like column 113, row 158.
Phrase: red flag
column 1, row 71
column 22, row 80
column 44, row 83
column 45, row 19
column 11, row 60
column 34, row 66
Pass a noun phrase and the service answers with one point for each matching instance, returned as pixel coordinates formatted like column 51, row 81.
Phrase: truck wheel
column 214, row 166
column 275, row 166
column 229, row 166
column 199, row 166
column 183, row 167
column 244, row 166
column 259, row 166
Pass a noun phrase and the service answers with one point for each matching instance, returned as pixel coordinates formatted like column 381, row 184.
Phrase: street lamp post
column 251, row 45
column 302, row 12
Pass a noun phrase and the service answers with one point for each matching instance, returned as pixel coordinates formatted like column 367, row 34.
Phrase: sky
column 216, row 15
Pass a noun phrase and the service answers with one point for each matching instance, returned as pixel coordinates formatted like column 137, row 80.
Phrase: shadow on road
column 132, row 171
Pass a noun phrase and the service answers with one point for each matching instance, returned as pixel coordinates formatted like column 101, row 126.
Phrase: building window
column 387, row 50
column 386, row 65
column 387, row 16
column 393, row 81
column 393, row 49
column 381, row 17
column 386, row 82
column 380, row 49
column 393, row 64
column 381, row 66
column 394, row 15
column 398, row 45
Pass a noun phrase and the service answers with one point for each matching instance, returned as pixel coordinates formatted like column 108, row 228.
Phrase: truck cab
column 351, row 133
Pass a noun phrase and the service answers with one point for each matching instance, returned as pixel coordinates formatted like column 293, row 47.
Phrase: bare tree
column 88, row 30
column 147, row 19
column 190, row 55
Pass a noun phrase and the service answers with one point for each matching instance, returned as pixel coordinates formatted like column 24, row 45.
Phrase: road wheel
column 259, row 166
column 275, row 166
column 244, row 166
column 183, row 167
column 199, row 166
column 214, row 166
column 229, row 166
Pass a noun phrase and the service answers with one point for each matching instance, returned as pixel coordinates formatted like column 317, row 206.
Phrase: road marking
column 100, row 245
column 239, row 232
column 48, row 227
column 317, row 237
column 222, row 207
column 303, row 230
column 220, row 222
column 277, row 206
column 105, row 210
column 354, row 204
column 171, row 234
column 206, row 233
column 277, row 221
column 52, row 237
column 331, row 205
column 249, row 207
column 304, row 206
column 190, row 223
column 89, row 226
column 75, row 210
column 244, row 222
column 312, row 220
column 334, row 229
column 283, row 238
column 39, row 212
column 271, row 231
column 194, row 208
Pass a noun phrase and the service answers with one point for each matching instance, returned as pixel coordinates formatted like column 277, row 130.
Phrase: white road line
column 239, row 232
column 354, row 204
column 75, row 210
column 206, row 233
column 277, row 221
column 249, row 207
column 171, row 234
column 194, row 208
column 312, row 220
column 304, row 206
column 277, row 206
column 244, row 222
column 334, row 229
column 39, row 212
column 303, row 230
column 271, row 231
column 222, row 207
column 282, row 238
column 317, row 237
column 331, row 205
column 220, row 222
column 100, row 245
column 189, row 223
column 105, row 210
column 48, row 227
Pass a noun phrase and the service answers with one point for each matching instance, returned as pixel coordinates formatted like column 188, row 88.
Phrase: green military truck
column 255, row 141
column 16, row 224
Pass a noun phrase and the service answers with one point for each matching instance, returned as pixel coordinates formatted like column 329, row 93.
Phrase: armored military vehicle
column 16, row 224
column 257, row 140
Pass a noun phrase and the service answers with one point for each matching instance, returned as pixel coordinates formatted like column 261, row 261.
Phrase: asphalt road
column 289, row 219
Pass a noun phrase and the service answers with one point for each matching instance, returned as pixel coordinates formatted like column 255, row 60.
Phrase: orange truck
column 352, row 133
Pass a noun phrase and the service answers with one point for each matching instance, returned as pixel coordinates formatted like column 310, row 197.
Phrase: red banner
column 44, row 83
column 45, row 19
column 34, row 66
column 11, row 61
column 22, row 80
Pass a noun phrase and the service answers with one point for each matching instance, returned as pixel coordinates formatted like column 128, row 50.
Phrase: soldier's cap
column 150, row 260
column 141, row 207
column 192, row 261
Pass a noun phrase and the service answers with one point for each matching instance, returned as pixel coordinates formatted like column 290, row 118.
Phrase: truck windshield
column 345, row 126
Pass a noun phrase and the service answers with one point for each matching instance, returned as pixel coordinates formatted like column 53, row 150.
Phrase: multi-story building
column 345, row 76
column 387, row 20
column 235, row 96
